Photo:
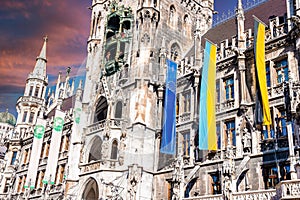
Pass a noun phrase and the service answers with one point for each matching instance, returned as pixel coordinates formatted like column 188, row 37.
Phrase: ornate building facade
column 110, row 141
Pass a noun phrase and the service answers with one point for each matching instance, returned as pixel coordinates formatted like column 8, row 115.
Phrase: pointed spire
column 41, row 60
column 57, row 85
column 240, row 4
column 72, row 87
column 43, row 50
column 80, row 84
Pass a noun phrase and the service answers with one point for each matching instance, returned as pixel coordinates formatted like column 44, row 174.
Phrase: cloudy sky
column 22, row 27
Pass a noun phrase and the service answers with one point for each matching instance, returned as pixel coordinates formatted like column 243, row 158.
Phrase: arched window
column 101, row 110
column 172, row 15
column 91, row 191
column 175, row 51
column 187, row 25
column 114, row 150
column 118, row 112
column 95, row 150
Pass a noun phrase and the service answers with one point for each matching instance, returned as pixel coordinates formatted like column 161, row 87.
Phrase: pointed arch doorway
column 91, row 191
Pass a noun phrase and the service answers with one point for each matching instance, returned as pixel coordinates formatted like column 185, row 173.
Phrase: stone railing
column 277, row 90
column 288, row 189
column 185, row 117
column 95, row 165
column 97, row 127
column 101, row 125
column 253, row 195
column 208, row 197
column 3, row 196
column 63, row 155
column 226, row 105
column 30, row 99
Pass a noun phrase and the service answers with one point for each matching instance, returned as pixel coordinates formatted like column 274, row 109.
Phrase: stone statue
column 227, row 187
column 247, row 141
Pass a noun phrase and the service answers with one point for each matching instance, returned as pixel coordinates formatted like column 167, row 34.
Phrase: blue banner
column 168, row 142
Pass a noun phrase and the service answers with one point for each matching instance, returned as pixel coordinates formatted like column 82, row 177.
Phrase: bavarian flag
column 262, row 94
column 207, row 113
column 168, row 142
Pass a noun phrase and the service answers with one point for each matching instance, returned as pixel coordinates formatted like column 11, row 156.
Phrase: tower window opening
column 31, row 116
column 36, row 93
column 114, row 150
column 101, row 110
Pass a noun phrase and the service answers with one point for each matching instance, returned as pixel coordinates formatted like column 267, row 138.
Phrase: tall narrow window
column 270, row 174
column 25, row 155
column 218, row 92
column 268, row 75
column 118, row 113
column 13, row 158
column 67, row 143
column 186, row 144
column 36, row 93
column 215, row 183
column 31, row 116
column 42, row 175
column 20, row 183
column 229, row 88
column 281, row 124
column 30, row 90
column 24, row 116
column 230, row 130
column 114, row 150
column 47, row 149
column 282, row 71
column 177, row 106
column 95, row 151
column 6, row 186
column 61, row 173
column 218, row 130
column 42, row 151
column 187, row 102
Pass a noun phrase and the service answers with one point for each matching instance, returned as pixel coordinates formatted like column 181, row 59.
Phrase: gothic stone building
column 114, row 149
column 123, row 98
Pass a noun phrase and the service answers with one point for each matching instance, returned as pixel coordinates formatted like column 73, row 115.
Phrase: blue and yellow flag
column 207, row 118
column 168, row 142
column 259, row 51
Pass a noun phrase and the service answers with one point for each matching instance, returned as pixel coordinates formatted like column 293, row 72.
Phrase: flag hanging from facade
column 168, row 142
column 38, row 137
column 259, row 52
column 58, row 125
column 207, row 114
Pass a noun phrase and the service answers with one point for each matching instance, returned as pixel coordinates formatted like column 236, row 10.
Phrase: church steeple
column 40, row 66
column 32, row 103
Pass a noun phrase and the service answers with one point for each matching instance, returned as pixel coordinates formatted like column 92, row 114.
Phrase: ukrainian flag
column 207, row 118
column 259, row 51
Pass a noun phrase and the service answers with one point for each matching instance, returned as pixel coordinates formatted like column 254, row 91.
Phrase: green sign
column 77, row 112
column 39, row 131
column 58, row 124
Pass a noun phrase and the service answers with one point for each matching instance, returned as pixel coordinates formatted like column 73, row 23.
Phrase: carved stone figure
column 247, row 141
column 134, row 178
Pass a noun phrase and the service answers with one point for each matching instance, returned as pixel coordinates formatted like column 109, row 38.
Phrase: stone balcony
column 98, row 165
column 289, row 189
column 102, row 125
column 30, row 99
